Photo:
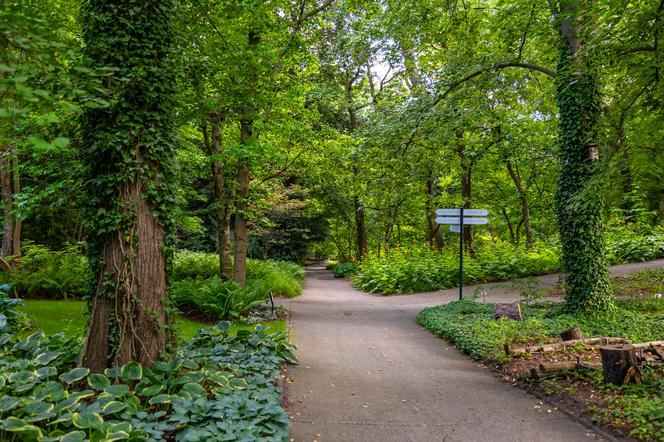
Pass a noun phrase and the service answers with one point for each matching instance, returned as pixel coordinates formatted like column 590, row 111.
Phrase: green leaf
column 193, row 389
column 117, row 390
column 98, row 381
column 46, row 358
column 33, row 408
column 74, row 436
column 90, row 420
column 160, row 399
column 8, row 402
column 152, row 390
column 75, row 375
column 121, row 435
column 131, row 372
column 238, row 383
column 113, row 407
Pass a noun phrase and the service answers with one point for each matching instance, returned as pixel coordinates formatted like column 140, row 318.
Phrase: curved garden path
column 368, row 372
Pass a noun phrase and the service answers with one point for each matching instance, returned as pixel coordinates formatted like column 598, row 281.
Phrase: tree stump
column 509, row 311
column 572, row 333
column 617, row 362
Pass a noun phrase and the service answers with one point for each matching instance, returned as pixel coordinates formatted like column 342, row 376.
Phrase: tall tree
column 580, row 208
column 128, row 149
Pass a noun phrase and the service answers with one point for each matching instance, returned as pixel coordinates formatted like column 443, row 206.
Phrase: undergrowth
column 217, row 387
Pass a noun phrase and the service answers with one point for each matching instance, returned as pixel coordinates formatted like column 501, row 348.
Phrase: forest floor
column 368, row 372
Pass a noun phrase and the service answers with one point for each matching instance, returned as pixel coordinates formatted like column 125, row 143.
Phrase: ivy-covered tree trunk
column 128, row 150
column 580, row 209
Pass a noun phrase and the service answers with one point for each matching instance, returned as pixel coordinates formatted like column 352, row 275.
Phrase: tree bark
column 241, row 204
column 617, row 363
column 128, row 150
column 10, row 186
column 361, row 236
column 434, row 235
column 222, row 211
column 571, row 334
column 135, row 318
column 466, row 196
column 525, row 206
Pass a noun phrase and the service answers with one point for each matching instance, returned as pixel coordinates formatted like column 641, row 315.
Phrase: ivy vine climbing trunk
column 128, row 149
column 580, row 209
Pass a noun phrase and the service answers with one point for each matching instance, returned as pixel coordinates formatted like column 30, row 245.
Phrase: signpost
column 457, row 218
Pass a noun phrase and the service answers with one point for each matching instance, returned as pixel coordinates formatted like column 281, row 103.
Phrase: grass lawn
column 68, row 317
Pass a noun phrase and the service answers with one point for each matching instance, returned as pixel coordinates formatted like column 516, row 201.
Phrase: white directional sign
column 457, row 220
column 455, row 229
column 466, row 212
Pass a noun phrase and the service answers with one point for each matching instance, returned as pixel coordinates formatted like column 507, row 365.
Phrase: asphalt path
column 368, row 372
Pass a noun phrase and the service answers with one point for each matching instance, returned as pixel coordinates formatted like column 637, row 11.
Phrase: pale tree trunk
column 10, row 186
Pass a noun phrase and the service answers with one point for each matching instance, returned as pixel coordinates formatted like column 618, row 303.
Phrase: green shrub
column 634, row 243
column 202, row 392
column 422, row 269
column 213, row 297
column 345, row 269
column 44, row 273
column 188, row 264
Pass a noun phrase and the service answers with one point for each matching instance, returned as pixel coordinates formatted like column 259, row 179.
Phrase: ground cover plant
column 634, row 410
column 218, row 386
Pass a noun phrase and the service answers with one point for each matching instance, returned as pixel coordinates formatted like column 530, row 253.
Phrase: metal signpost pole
column 461, row 257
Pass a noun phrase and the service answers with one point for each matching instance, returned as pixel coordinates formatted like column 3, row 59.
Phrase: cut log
column 544, row 348
column 507, row 311
column 571, row 334
column 649, row 344
column 551, row 367
column 617, row 362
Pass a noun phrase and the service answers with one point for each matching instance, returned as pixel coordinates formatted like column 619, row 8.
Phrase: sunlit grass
column 68, row 317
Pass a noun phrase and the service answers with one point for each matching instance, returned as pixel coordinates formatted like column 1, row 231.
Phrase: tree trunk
column 361, row 230
column 525, row 206
column 133, row 320
column 466, row 177
column 434, row 235
column 572, row 333
column 10, row 186
column 241, row 204
column 222, row 210
column 617, row 363
column 129, row 150
column 580, row 209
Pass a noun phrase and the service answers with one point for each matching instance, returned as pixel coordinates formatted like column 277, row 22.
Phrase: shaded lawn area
column 68, row 317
